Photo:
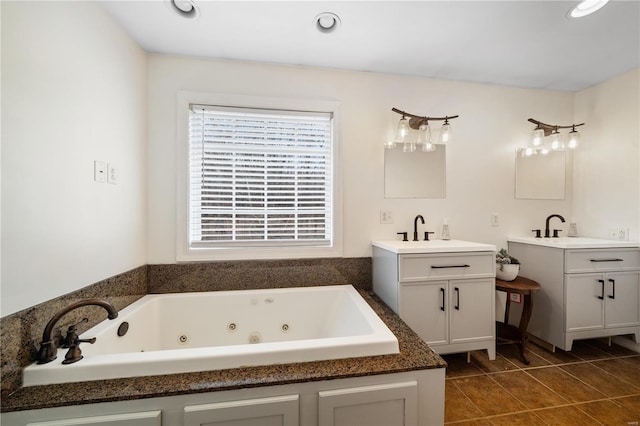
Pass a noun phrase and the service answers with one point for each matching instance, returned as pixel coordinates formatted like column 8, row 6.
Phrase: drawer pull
column 607, row 260
column 457, row 307
column 442, row 292
column 601, row 297
column 449, row 266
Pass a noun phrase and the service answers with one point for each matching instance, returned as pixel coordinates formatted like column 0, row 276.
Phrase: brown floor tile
column 565, row 416
column 622, row 369
column 527, row 419
column 481, row 360
column 488, row 395
column 458, row 365
column 631, row 402
column 569, row 387
column 528, row 390
column 583, row 350
column 474, row 422
column 557, row 357
column 457, row 406
column 605, row 382
column 635, row 360
column 610, row 413
column 614, row 349
column 511, row 352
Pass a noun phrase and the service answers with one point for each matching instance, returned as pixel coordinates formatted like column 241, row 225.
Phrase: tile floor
column 594, row 384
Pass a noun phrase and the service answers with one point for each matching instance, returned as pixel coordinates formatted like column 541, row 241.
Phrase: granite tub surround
column 414, row 355
column 259, row 274
column 21, row 332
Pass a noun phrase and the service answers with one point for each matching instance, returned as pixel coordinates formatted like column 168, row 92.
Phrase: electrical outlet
column 386, row 217
column 112, row 174
column 620, row 234
column 494, row 220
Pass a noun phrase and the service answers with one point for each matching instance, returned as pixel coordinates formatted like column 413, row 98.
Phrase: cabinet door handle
column 457, row 307
column 613, row 289
column 607, row 260
column 442, row 292
column 601, row 297
column 449, row 266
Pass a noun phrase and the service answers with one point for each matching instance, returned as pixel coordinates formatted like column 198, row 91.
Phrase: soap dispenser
column 445, row 230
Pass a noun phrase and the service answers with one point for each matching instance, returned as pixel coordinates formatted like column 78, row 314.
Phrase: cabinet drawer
column 446, row 266
column 601, row 260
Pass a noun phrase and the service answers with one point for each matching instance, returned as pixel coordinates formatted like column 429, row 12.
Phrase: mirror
column 415, row 174
column 541, row 177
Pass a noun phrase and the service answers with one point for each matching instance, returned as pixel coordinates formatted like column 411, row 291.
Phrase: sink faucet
column 47, row 351
column 415, row 226
column 546, row 228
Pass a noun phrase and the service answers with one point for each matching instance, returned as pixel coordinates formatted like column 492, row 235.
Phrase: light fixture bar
column 418, row 120
column 550, row 128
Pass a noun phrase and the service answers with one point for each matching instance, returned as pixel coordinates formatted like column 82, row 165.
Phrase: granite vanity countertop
column 414, row 355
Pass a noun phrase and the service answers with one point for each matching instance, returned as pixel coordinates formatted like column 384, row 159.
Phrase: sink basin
column 573, row 242
column 433, row 246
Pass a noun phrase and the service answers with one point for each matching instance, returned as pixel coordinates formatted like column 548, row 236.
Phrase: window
column 261, row 183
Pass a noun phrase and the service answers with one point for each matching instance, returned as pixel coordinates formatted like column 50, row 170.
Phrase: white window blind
column 259, row 177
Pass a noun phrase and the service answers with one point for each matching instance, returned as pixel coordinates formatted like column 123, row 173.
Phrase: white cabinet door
column 379, row 405
column 471, row 310
column 146, row 418
column 622, row 299
column 270, row 411
column 584, row 298
column 423, row 306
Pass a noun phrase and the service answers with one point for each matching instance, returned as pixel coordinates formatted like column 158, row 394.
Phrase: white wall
column 607, row 166
column 73, row 91
column 480, row 160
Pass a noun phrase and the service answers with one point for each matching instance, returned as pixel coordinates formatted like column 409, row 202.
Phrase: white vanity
column 443, row 289
column 590, row 287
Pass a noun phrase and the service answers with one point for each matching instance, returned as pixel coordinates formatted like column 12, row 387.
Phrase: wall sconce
column 421, row 124
column 555, row 141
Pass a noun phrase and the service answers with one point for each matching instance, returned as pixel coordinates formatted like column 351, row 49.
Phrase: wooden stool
column 507, row 333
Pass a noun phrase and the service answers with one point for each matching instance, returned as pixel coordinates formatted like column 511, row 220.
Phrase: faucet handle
column 555, row 233
column 404, row 235
column 72, row 334
column 426, row 235
column 537, row 231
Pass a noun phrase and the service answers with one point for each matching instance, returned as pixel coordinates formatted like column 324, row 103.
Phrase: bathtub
column 189, row 332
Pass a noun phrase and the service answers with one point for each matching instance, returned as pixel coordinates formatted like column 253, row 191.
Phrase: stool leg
column 524, row 322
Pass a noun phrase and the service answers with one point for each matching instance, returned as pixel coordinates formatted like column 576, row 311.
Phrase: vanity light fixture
column 586, row 7
column 421, row 125
column 537, row 143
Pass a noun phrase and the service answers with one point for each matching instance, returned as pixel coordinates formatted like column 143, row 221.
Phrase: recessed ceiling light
column 327, row 22
column 184, row 8
column 586, row 7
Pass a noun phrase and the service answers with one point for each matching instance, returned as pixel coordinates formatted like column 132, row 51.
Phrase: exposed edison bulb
column 445, row 133
column 429, row 147
column 574, row 139
column 545, row 150
column 556, row 141
column 528, row 151
column 403, row 130
column 424, row 134
column 537, row 136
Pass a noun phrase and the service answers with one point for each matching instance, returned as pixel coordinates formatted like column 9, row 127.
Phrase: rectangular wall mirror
column 415, row 174
column 541, row 177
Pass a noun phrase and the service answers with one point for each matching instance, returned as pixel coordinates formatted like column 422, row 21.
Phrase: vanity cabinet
column 447, row 298
column 585, row 292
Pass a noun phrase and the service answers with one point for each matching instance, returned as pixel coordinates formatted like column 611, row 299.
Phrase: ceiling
column 530, row 44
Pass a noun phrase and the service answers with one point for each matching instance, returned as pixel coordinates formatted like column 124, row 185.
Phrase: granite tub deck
column 414, row 355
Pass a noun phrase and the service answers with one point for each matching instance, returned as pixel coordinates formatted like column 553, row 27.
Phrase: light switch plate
column 99, row 171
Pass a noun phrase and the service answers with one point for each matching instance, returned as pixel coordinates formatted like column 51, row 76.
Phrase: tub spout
column 47, row 351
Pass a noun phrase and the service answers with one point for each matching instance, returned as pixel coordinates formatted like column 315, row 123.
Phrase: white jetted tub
column 188, row 332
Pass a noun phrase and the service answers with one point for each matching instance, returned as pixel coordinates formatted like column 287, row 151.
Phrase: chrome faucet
column 555, row 231
column 415, row 226
column 47, row 351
